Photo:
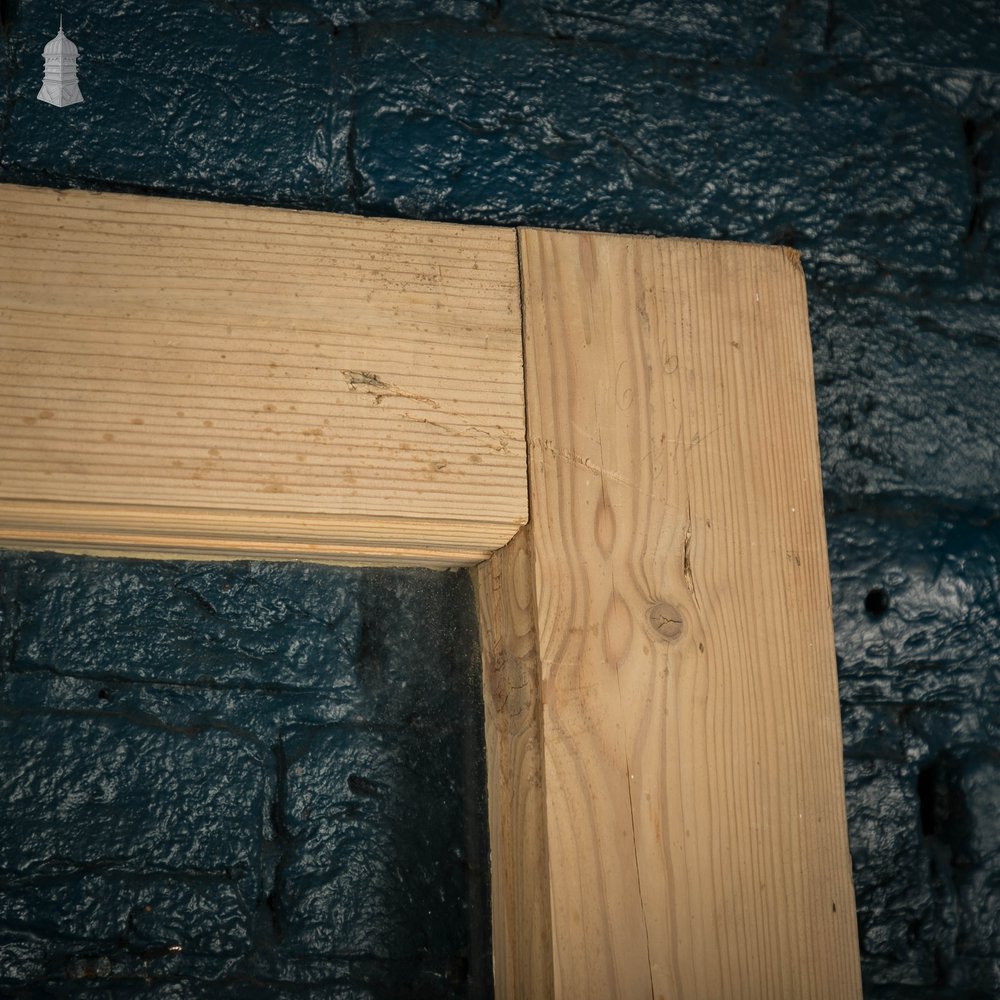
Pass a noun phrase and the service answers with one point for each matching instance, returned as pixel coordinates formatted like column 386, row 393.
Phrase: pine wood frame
column 663, row 736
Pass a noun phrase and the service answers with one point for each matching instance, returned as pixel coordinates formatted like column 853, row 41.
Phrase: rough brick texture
column 919, row 679
column 239, row 780
column 865, row 135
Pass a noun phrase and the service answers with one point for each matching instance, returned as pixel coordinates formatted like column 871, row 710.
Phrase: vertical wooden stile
column 522, row 923
column 665, row 762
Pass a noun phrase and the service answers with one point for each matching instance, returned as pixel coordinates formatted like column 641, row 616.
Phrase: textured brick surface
column 865, row 135
column 138, row 796
column 239, row 778
column 554, row 133
column 917, row 602
column 956, row 33
column 404, row 837
column 937, row 639
column 177, row 100
column 908, row 391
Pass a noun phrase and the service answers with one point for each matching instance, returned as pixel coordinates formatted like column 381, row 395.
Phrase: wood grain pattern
column 186, row 378
column 209, row 381
column 690, row 731
column 522, row 923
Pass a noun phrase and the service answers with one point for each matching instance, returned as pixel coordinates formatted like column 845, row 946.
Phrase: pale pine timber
column 187, row 379
column 519, row 869
column 687, row 751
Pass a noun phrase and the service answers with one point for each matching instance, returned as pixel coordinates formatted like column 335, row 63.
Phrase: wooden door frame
column 663, row 737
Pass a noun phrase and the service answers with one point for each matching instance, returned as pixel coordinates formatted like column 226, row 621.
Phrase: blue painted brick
column 23, row 958
column 202, row 912
column 891, row 873
column 366, row 809
column 120, row 840
column 698, row 30
column 85, row 790
column 977, row 861
column 269, row 626
column 936, row 642
column 906, row 391
column 954, row 33
column 188, row 99
column 231, row 754
column 512, row 130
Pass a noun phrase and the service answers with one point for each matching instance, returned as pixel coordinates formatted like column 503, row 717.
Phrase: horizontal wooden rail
column 198, row 380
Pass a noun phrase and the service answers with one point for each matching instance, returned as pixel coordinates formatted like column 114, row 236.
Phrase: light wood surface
column 522, row 924
column 688, row 723
column 191, row 379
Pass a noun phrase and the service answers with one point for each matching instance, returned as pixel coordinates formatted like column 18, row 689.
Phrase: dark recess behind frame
column 240, row 780
column 866, row 136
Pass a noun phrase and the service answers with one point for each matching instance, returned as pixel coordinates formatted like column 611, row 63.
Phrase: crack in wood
column 378, row 388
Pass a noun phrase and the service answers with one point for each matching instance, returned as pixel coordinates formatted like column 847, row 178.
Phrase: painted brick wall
column 865, row 135
column 240, row 780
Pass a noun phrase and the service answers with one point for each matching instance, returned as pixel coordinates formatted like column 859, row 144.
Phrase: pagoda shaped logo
column 60, row 86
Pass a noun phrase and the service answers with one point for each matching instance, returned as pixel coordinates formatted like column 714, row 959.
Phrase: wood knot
column 665, row 620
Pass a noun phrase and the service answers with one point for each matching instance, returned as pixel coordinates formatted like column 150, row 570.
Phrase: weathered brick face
column 865, row 135
column 239, row 780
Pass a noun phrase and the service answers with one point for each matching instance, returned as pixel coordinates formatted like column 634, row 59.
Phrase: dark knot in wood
column 665, row 620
